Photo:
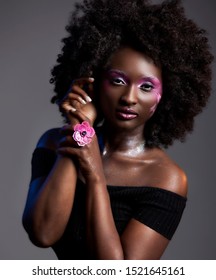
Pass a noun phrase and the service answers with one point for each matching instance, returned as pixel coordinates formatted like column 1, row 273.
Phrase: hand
column 78, row 100
column 87, row 157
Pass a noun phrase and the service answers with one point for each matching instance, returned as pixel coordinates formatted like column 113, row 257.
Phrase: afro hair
column 161, row 31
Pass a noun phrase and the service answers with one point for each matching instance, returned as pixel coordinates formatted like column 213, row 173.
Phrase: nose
column 130, row 95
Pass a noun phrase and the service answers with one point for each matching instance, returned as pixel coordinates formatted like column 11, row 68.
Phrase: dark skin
column 124, row 162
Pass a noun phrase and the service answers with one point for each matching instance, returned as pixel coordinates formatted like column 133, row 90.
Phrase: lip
column 126, row 114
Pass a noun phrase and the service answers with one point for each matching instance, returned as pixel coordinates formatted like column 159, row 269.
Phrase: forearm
column 102, row 233
column 46, row 216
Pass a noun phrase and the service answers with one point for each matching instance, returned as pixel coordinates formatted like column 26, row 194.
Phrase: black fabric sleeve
column 160, row 210
column 42, row 162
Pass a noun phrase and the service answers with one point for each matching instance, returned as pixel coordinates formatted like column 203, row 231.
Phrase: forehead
column 134, row 63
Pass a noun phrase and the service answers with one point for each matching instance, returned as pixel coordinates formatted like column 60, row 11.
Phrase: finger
column 81, row 81
column 73, row 101
column 69, row 98
column 86, row 84
column 82, row 95
column 65, row 107
column 76, row 95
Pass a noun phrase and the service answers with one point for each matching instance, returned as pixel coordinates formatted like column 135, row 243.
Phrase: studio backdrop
column 30, row 34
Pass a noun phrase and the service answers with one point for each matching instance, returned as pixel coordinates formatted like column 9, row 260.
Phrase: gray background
column 30, row 33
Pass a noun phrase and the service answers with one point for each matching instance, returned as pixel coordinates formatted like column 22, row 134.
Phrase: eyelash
column 147, row 86
column 114, row 81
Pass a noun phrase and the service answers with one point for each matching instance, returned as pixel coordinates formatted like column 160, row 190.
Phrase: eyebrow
column 152, row 78
column 118, row 72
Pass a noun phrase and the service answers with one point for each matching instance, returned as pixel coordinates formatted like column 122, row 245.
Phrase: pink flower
column 83, row 133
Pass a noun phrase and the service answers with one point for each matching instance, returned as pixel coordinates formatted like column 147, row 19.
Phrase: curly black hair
column 99, row 27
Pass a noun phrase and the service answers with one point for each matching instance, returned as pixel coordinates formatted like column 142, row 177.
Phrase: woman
column 139, row 74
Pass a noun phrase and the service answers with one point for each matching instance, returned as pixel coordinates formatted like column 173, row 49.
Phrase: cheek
column 108, row 93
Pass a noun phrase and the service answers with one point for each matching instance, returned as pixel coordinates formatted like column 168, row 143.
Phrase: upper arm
column 43, row 159
column 40, row 166
column 140, row 242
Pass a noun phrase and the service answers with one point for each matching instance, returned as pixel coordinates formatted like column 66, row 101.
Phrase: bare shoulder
column 49, row 139
column 169, row 175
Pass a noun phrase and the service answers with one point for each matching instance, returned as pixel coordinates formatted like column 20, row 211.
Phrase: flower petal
column 91, row 132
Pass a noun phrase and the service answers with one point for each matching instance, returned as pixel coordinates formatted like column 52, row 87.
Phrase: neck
column 127, row 142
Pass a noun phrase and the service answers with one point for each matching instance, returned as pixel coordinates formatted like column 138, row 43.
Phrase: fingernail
column 88, row 99
column 82, row 100
column 72, row 109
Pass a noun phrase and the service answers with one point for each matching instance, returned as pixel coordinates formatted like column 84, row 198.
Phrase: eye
column 117, row 81
column 147, row 86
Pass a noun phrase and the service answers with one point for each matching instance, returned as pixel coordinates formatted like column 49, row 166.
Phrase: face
column 131, row 89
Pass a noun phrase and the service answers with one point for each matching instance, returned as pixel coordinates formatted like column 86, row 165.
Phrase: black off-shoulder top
column 159, row 209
